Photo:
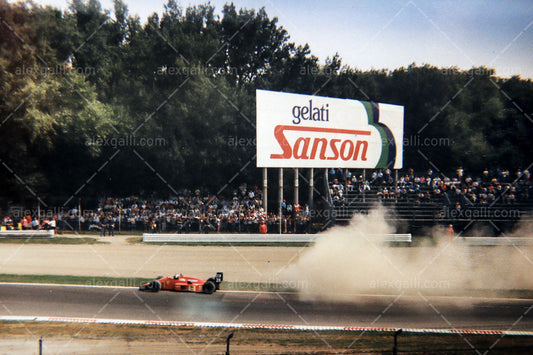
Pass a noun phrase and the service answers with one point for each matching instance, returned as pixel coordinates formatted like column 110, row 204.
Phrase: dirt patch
column 68, row 338
column 261, row 264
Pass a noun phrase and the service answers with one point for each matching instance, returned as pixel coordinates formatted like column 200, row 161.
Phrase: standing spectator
column 449, row 231
column 52, row 223
column 24, row 223
column 103, row 225
column 263, row 228
column 110, row 227
column 460, row 172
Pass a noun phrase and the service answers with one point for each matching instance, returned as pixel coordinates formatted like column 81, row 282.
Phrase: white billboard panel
column 305, row 131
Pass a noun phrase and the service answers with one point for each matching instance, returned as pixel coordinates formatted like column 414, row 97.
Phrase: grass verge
column 75, row 280
column 54, row 240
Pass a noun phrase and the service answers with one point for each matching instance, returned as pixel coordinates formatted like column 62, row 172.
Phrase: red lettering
column 343, row 150
column 305, row 148
column 283, row 143
column 358, row 147
column 348, row 148
column 333, row 145
column 323, row 148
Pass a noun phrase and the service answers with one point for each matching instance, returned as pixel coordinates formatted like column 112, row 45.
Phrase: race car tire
column 209, row 287
column 217, row 285
column 155, row 286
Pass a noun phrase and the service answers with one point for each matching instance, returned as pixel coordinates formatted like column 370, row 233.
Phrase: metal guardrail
column 286, row 327
column 495, row 241
column 27, row 234
column 256, row 238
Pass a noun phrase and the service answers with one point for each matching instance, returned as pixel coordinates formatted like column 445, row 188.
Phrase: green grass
column 74, row 280
column 54, row 240
column 134, row 240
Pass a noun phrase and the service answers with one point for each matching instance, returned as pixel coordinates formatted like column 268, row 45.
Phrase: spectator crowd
column 497, row 186
column 198, row 212
column 241, row 210
column 189, row 212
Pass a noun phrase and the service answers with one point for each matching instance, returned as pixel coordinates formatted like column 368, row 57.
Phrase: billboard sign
column 306, row 131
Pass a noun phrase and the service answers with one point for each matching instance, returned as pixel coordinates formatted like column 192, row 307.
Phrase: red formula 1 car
column 179, row 282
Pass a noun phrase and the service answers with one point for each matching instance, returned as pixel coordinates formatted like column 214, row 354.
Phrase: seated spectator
column 35, row 224
column 8, row 223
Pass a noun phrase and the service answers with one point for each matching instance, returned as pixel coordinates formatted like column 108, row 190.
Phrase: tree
column 74, row 82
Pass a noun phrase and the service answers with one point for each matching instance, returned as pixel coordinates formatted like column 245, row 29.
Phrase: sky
column 390, row 34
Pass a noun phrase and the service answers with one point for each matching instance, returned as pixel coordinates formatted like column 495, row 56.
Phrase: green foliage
column 78, row 87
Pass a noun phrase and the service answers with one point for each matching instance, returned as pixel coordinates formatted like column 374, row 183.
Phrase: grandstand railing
column 437, row 210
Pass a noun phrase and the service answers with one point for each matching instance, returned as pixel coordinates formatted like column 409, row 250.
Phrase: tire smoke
column 350, row 260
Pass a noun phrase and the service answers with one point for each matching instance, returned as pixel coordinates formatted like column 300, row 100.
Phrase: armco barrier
column 27, row 234
column 494, row 241
column 257, row 238
column 163, row 323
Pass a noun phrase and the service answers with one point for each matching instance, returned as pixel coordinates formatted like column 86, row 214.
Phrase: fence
column 27, row 234
column 257, row 238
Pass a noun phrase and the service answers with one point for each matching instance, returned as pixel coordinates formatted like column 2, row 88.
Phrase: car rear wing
column 219, row 277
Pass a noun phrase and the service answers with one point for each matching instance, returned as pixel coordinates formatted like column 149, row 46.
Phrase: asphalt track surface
column 266, row 308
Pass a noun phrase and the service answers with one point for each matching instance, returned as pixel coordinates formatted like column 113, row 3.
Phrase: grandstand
column 412, row 211
column 488, row 206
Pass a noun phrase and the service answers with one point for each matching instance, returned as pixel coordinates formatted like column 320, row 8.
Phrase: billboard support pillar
column 296, row 183
column 326, row 179
column 311, row 187
column 364, row 180
column 395, row 183
column 280, row 199
column 79, row 215
column 346, row 175
column 265, row 191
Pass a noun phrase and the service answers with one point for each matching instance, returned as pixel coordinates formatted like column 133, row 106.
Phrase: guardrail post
column 395, row 348
column 227, row 343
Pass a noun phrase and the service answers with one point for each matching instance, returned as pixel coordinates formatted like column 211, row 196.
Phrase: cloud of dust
column 523, row 229
column 349, row 260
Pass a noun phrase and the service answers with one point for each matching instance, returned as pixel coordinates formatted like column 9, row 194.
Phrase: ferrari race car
column 179, row 282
